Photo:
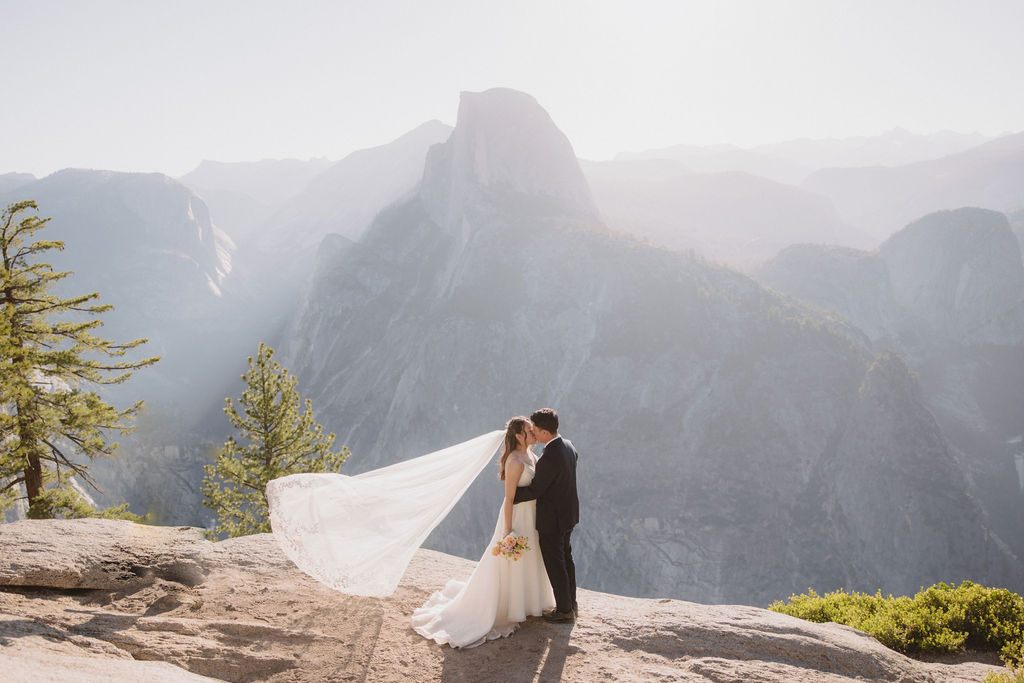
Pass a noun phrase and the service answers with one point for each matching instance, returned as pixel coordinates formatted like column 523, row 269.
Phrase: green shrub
column 941, row 618
column 1011, row 675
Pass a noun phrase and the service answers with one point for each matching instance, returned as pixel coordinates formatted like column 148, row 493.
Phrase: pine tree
column 48, row 357
column 280, row 442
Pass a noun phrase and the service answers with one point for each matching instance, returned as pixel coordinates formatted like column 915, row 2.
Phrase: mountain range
column 791, row 161
column 881, row 200
column 840, row 419
column 947, row 294
column 730, row 217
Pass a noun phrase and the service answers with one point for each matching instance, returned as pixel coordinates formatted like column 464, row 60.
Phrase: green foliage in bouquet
column 50, row 358
column 941, row 618
column 281, row 441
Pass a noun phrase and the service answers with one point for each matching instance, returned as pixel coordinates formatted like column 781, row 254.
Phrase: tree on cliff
column 280, row 442
column 49, row 358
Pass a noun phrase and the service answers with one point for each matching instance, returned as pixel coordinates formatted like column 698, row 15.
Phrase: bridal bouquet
column 511, row 547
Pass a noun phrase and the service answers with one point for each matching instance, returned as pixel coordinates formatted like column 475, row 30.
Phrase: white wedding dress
column 499, row 594
column 357, row 534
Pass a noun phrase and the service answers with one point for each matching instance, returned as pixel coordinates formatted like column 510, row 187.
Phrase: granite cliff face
column 959, row 273
column 148, row 245
column 709, row 412
column 946, row 292
column 504, row 146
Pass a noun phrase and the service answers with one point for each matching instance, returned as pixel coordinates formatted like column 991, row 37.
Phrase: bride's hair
column 515, row 427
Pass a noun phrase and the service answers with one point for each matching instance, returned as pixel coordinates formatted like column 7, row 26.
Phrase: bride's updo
column 515, row 427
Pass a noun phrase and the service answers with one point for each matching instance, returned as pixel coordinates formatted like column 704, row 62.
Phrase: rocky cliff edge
column 92, row 600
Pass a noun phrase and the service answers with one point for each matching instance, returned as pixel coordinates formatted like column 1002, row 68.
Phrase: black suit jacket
column 554, row 488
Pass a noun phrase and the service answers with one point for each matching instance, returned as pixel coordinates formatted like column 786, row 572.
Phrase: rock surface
column 243, row 612
column 959, row 273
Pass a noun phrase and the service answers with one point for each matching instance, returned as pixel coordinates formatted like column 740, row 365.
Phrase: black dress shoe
column 560, row 617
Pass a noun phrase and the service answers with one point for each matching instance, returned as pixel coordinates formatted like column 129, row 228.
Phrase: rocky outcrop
column 102, row 599
column 960, row 273
column 504, row 145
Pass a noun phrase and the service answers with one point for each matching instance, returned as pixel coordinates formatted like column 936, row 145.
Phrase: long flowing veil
column 358, row 534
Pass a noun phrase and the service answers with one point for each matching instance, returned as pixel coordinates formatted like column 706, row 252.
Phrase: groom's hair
column 546, row 419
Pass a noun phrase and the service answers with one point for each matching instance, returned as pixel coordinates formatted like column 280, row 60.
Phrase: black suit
column 558, row 511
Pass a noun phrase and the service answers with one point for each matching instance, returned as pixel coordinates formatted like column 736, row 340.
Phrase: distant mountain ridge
column 243, row 195
column 12, row 181
column 730, row 217
column 343, row 198
column 883, row 200
column 792, row 160
column 271, row 180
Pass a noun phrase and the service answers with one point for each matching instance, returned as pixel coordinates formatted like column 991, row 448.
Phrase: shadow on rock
column 535, row 652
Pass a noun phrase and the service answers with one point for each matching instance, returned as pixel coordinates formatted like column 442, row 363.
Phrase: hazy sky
column 160, row 85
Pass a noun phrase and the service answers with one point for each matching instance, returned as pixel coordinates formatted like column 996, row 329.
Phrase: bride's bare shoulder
column 521, row 457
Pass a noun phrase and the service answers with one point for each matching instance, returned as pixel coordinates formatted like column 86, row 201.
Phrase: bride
column 357, row 534
column 500, row 593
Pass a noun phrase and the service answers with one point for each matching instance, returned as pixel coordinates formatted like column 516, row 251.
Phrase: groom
column 558, row 511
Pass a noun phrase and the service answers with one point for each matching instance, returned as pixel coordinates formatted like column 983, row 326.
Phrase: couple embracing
column 541, row 503
column 357, row 534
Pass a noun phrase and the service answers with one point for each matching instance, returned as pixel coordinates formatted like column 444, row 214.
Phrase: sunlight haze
column 160, row 86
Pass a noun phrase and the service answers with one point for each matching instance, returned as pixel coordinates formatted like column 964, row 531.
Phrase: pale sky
column 147, row 85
